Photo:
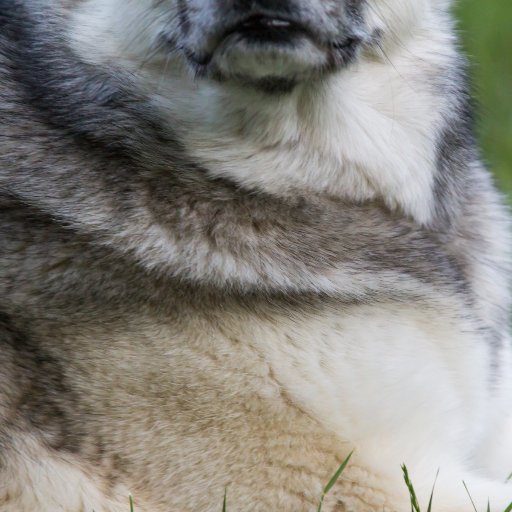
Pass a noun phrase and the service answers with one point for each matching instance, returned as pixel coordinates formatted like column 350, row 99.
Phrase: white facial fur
column 366, row 132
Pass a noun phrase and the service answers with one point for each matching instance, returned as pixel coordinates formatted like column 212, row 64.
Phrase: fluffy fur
column 228, row 264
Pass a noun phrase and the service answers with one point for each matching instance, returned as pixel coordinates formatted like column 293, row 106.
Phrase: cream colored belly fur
column 267, row 406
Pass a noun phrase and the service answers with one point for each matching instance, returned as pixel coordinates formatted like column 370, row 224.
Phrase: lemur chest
column 355, row 369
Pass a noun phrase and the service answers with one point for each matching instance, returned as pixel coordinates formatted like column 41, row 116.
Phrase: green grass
column 333, row 481
column 415, row 506
column 487, row 38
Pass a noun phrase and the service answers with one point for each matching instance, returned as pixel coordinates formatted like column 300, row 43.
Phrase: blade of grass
column 131, row 504
column 509, row 508
column 224, row 506
column 429, row 509
column 414, row 500
column 333, row 480
column 470, row 497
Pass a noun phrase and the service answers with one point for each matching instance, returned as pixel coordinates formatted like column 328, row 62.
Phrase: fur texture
column 231, row 255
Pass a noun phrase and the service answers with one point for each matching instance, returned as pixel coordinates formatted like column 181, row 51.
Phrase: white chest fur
column 363, row 372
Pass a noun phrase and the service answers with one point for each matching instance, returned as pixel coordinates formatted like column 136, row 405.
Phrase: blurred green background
column 486, row 30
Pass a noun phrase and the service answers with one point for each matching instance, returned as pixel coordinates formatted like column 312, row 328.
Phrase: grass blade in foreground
column 224, row 506
column 508, row 509
column 131, row 504
column 429, row 509
column 333, row 480
column 412, row 493
column 470, row 497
